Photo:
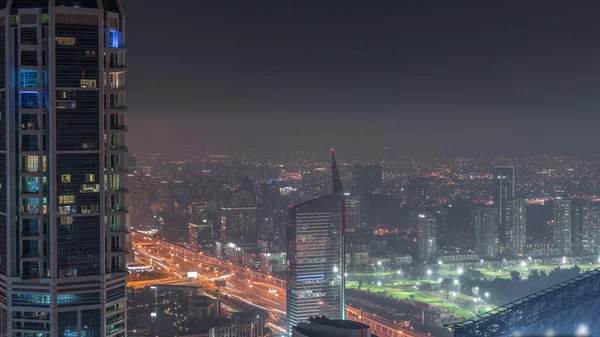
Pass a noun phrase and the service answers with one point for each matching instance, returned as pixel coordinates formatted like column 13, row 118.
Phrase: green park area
column 504, row 272
column 461, row 305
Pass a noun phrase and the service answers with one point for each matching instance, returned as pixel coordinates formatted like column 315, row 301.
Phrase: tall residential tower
column 504, row 188
column 562, row 225
column 62, row 168
column 315, row 256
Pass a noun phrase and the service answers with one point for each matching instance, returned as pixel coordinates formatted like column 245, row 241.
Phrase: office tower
column 427, row 236
column 131, row 163
column 581, row 226
column 595, row 230
column 62, row 205
column 315, row 257
column 200, row 235
column 367, row 180
column 418, row 191
column 271, row 208
column 352, row 211
column 484, row 220
column 239, row 224
column 504, row 188
column 562, row 225
column 514, row 227
column 139, row 198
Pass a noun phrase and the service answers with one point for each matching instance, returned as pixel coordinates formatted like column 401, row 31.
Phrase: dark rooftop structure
column 323, row 327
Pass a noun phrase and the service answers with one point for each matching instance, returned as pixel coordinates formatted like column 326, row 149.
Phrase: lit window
column 66, row 220
column 66, row 104
column 31, row 163
column 29, row 78
column 90, row 53
column 66, row 199
column 44, row 18
column 85, row 83
column 65, row 178
column 65, row 41
column 14, row 19
column 90, row 188
column 90, row 178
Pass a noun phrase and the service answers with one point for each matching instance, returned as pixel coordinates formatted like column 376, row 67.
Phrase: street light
column 440, row 262
column 460, row 271
column 487, row 294
column 523, row 264
column 428, row 271
column 456, row 282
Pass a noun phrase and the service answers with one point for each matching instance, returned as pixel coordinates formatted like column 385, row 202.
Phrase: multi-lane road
column 242, row 285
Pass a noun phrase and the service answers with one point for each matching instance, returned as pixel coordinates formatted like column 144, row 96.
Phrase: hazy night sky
column 476, row 76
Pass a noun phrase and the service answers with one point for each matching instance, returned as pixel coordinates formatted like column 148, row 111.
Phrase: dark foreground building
column 62, row 168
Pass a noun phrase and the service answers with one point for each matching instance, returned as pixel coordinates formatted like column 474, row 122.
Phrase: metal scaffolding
column 562, row 306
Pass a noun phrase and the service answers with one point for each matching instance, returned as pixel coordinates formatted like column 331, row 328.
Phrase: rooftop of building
column 201, row 300
column 324, row 327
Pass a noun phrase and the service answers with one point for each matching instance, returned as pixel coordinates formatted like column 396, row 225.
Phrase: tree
column 474, row 274
column 543, row 273
column 534, row 274
column 446, row 282
column 515, row 275
column 412, row 297
column 359, row 284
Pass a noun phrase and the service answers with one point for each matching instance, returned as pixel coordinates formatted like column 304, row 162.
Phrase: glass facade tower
column 62, row 151
column 315, row 257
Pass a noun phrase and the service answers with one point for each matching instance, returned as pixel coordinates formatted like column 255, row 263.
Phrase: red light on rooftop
column 332, row 150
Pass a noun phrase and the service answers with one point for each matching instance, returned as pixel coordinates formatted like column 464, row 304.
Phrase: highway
column 244, row 285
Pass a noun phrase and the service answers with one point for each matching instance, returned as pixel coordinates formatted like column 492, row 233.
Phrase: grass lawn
column 404, row 294
column 375, row 274
column 505, row 271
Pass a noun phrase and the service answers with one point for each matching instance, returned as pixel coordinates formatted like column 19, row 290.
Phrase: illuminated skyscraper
column 485, row 221
column 562, row 225
column 504, row 188
column 515, row 227
column 367, row 180
column 62, row 161
column 427, row 236
column 315, row 254
column 581, row 226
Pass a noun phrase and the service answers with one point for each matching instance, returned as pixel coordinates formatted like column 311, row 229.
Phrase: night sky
column 460, row 77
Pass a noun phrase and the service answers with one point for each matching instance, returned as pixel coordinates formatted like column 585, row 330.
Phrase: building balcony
column 117, row 210
column 119, row 229
column 120, row 191
column 117, row 47
column 28, row 235
column 115, row 319
column 118, row 149
column 117, row 107
column 30, row 276
column 115, row 170
column 116, row 129
column 116, row 89
column 30, row 256
column 115, row 65
column 118, row 251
